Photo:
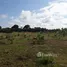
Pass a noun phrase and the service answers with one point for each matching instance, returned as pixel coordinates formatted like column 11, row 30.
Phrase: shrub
column 47, row 61
column 40, row 38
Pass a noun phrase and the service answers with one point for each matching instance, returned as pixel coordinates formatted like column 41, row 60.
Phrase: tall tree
column 15, row 27
column 26, row 27
column 0, row 27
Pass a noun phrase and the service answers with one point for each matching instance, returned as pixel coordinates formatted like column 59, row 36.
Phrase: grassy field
column 20, row 49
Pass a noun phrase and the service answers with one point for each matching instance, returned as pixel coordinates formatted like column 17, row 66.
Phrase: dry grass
column 21, row 53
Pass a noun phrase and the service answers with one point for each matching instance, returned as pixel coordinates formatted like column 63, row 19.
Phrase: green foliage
column 47, row 61
column 40, row 36
column 39, row 39
column 62, row 32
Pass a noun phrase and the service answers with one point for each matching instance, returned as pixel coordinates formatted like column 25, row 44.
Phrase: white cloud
column 3, row 16
column 52, row 16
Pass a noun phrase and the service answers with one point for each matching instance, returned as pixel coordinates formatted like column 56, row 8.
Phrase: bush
column 40, row 36
column 47, row 61
column 39, row 39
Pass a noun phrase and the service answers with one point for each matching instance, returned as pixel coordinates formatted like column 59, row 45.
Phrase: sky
column 50, row 14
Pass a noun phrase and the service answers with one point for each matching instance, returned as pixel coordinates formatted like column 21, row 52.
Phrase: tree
column 15, row 27
column 26, row 27
column 0, row 27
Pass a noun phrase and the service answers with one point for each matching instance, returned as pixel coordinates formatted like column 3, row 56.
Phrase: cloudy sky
column 49, row 14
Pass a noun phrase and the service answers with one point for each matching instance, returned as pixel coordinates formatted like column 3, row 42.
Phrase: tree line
column 27, row 28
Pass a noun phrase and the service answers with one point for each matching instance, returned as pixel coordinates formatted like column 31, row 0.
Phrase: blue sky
column 14, row 7
column 49, row 14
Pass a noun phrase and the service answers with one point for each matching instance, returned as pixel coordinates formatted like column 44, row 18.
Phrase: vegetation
column 19, row 47
column 27, row 28
column 46, row 61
